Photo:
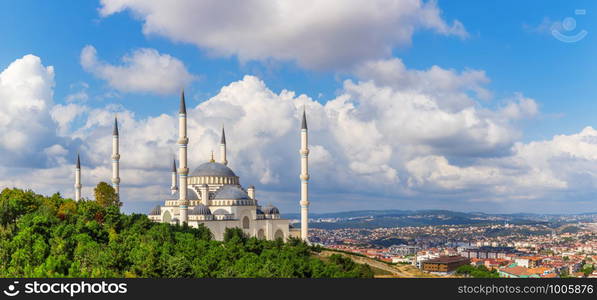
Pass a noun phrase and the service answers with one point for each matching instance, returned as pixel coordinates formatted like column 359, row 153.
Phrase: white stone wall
column 269, row 227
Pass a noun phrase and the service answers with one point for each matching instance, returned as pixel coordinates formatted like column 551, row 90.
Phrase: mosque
column 212, row 194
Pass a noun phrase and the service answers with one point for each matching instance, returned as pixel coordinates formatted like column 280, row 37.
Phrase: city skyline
column 412, row 104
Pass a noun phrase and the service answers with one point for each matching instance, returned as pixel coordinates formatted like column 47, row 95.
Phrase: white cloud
column 317, row 34
column 449, row 87
column 521, row 107
column 375, row 141
column 26, row 88
column 145, row 70
column 545, row 27
column 78, row 96
column 65, row 114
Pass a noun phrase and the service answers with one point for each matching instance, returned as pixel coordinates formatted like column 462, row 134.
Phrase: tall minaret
column 115, row 159
column 304, row 180
column 183, row 171
column 223, row 148
column 174, row 187
column 78, row 180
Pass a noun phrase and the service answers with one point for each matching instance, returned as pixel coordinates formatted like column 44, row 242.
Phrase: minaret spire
column 183, row 106
column 304, row 122
column 174, row 187
column 223, row 148
column 115, row 131
column 183, row 171
column 78, row 179
column 304, row 176
column 115, row 158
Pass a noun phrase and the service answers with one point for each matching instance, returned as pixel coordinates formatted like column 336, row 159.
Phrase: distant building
column 424, row 256
column 445, row 264
column 403, row 250
column 515, row 271
column 486, row 252
column 529, row 261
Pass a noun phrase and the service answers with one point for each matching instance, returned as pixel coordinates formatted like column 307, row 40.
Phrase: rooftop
column 446, row 259
column 213, row 169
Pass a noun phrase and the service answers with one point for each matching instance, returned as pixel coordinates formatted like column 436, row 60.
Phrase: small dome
column 156, row 211
column 231, row 192
column 259, row 211
column 191, row 195
column 200, row 210
column 213, row 169
column 271, row 210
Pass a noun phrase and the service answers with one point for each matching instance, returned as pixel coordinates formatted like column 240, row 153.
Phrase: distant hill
column 403, row 218
column 361, row 213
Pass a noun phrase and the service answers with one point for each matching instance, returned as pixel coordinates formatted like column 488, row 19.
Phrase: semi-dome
column 271, row 210
column 191, row 195
column 200, row 210
column 220, row 211
column 156, row 211
column 213, row 169
column 231, row 192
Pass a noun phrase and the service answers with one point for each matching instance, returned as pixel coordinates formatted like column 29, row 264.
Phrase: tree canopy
column 477, row 271
column 56, row 237
column 105, row 195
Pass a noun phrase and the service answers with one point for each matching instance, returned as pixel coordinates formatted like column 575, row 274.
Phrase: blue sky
column 510, row 41
column 558, row 75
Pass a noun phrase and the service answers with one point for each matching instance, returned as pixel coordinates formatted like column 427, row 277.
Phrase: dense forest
column 56, row 237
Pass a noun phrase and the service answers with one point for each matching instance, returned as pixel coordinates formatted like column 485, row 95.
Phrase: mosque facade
column 211, row 194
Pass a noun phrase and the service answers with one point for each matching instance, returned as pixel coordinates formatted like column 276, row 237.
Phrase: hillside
column 56, row 237
column 382, row 269
column 405, row 218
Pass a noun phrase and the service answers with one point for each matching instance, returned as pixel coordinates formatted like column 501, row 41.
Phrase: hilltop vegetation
column 55, row 237
column 477, row 272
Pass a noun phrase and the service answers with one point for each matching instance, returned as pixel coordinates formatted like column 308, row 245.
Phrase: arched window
column 246, row 222
column 166, row 218
column 261, row 234
column 279, row 234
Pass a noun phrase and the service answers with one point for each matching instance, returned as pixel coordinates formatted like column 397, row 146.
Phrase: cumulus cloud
column 521, row 107
column 26, row 91
column 317, row 34
column 449, row 87
column 65, row 114
column 375, row 141
column 145, row 70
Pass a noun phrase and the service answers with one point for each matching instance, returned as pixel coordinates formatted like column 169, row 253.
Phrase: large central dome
column 213, row 169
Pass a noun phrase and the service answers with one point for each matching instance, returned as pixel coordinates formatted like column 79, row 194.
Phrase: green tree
column 235, row 234
column 588, row 269
column 477, row 271
column 67, row 209
column 105, row 195
column 56, row 237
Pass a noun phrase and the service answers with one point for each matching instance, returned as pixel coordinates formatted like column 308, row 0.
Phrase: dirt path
column 398, row 271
